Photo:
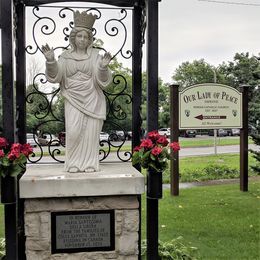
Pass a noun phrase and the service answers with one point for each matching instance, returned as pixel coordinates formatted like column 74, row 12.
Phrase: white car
column 30, row 140
column 233, row 132
column 103, row 136
column 48, row 139
column 164, row 131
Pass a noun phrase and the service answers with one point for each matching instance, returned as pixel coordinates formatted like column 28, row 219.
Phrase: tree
column 33, row 69
column 241, row 71
column 256, row 154
column 196, row 72
column 163, row 101
column 244, row 70
column 45, row 113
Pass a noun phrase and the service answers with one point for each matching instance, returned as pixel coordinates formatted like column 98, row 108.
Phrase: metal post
column 20, row 73
column 21, row 112
column 174, row 117
column 244, row 141
column 152, row 117
column 137, row 76
column 137, row 90
column 215, row 141
column 8, row 117
column 152, row 64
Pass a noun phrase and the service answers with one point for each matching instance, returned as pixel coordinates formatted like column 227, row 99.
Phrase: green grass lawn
column 221, row 221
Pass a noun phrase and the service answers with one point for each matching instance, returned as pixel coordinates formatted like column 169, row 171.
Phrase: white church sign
column 210, row 106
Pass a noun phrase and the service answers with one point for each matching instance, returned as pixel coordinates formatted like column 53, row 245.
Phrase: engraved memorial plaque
column 82, row 231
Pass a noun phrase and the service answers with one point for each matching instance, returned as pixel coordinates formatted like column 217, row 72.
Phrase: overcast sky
column 192, row 29
column 195, row 29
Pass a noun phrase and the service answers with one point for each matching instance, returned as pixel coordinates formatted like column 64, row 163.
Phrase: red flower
column 153, row 135
column 156, row 151
column 153, row 151
column 13, row 155
column 163, row 141
column 26, row 149
column 137, row 149
column 16, row 147
column 3, row 142
column 175, row 146
column 2, row 154
column 146, row 143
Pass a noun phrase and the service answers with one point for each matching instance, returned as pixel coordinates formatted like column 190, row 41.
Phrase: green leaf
column 16, row 169
column 135, row 158
column 146, row 155
column 153, row 165
column 141, row 152
column 23, row 159
column 5, row 162
column 2, row 172
column 153, row 157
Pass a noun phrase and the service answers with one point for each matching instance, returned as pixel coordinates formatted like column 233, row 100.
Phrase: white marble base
column 45, row 181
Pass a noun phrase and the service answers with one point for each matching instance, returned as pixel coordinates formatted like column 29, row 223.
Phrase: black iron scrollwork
column 113, row 31
column 44, row 101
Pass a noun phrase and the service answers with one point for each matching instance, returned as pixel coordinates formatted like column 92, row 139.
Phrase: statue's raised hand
column 48, row 53
column 105, row 60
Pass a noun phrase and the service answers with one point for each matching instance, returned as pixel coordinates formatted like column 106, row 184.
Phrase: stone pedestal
column 48, row 191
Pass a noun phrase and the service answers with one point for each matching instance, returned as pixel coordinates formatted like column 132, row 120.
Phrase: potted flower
column 153, row 154
column 13, row 160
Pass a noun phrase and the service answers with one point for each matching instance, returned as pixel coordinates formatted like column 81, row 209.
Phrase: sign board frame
column 210, row 106
column 54, row 219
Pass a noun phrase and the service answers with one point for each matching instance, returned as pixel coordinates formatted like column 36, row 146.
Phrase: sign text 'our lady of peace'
column 210, row 106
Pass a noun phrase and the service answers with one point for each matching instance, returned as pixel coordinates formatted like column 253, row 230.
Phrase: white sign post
column 210, row 106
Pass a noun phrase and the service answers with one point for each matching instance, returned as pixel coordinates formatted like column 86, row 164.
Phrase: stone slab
column 45, row 181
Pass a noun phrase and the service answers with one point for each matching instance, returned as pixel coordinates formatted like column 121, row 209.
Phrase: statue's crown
column 84, row 19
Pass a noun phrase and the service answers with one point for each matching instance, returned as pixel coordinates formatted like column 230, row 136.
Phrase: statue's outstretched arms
column 48, row 53
column 105, row 60
column 103, row 72
column 51, row 63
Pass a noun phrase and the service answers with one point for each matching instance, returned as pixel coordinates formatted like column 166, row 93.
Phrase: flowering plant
column 154, row 151
column 13, row 157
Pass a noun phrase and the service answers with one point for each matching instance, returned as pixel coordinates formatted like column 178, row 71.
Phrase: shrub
column 213, row 171
column 173, row 250
column 221, row 171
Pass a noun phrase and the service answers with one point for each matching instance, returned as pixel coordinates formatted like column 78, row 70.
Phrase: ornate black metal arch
column 114, row 107
column 47, row 97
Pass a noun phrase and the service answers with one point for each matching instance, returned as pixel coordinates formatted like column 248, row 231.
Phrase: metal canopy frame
column 118, row 3
column 14, row 118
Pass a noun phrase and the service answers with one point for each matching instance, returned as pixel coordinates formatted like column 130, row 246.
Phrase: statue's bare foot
column 73, row 169
column 90, row 170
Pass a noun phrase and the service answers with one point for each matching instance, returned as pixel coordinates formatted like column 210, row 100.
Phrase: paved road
column 185, row 152
column 210, row 150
